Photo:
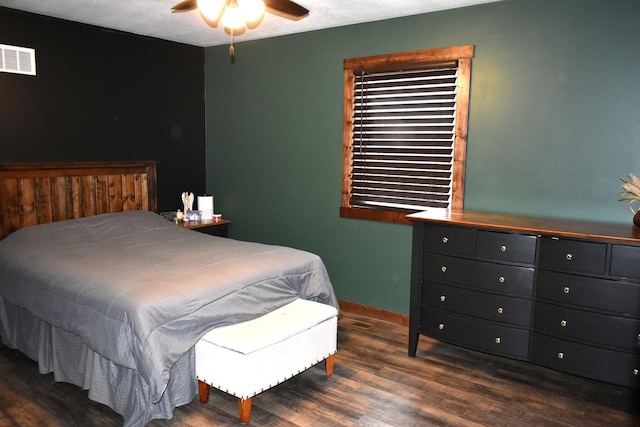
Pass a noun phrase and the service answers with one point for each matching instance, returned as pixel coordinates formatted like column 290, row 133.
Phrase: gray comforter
column 140, row 291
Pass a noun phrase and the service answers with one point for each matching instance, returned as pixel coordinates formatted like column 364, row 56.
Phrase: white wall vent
column 20, row 60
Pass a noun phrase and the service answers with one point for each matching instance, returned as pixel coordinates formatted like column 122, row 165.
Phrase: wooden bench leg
column 328, row 364
column 244, row 409
column 203, row 391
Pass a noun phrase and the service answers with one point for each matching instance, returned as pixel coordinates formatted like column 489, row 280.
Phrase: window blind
column 403, row 139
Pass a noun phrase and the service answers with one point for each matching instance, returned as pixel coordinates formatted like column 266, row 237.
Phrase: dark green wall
column 554, row 123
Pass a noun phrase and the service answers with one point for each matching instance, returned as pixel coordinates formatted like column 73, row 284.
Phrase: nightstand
column 208, row 226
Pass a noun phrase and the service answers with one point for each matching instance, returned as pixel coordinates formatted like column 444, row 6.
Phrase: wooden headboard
column 39, row 193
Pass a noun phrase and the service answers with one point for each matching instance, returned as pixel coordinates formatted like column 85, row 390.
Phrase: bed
column 112, row 297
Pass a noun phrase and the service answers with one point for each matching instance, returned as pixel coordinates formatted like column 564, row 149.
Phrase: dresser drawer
column 573, row 255
column 498, row 308
column 625, row 261
column 498, row 278
column 510, row 247
column 592, row 362
column 448, row 240
column 601, row 294
column 622, row 332
column 478, row 335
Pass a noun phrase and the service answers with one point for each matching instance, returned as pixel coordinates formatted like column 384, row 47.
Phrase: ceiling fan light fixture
column 232, row 16
column 211, row 9
column 253, row 10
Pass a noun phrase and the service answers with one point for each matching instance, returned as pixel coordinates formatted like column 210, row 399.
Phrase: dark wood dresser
column 560, row 293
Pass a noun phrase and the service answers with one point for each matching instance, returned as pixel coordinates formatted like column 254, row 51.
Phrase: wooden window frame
column 397, row 61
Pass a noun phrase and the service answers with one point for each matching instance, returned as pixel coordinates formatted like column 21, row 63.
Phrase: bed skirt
column 70, row 360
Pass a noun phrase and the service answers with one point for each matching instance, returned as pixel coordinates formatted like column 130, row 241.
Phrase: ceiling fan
column 285, row 8
column 235, row 15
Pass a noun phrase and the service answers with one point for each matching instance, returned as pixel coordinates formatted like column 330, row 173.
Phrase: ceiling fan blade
column 286, row 8
column 185, row 6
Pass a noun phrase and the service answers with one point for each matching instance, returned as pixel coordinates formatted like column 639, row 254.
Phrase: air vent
column 20, row 60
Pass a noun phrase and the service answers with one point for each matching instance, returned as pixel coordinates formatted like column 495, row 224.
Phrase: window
column 405, row 133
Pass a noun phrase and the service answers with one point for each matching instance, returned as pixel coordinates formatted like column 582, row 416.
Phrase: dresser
column 563, row 294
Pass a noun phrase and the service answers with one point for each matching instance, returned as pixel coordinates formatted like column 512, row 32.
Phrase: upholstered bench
column 250, row 357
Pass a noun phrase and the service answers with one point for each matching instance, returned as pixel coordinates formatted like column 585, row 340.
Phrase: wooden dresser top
column 529, row 224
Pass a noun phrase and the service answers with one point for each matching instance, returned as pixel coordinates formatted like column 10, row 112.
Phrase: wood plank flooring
column 375, row 384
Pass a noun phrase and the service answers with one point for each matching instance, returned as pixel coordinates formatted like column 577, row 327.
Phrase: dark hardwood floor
column 375, row 384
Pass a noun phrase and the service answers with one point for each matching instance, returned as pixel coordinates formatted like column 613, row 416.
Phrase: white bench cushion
column 273, row 327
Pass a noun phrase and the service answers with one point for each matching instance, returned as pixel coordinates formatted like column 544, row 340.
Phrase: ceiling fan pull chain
column 232, row 51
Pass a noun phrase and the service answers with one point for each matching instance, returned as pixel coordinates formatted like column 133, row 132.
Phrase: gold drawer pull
column 503, row 248
column 441, row 326
column 501, row 279
column 563, row 323
column 498, row 340
column 569, row 257
column 445, row 240
column 566, row 290
column 635, row 372
column 442, row 298
column 443, row 268
column 500, row 310
column 560, row 355
column 638, row 337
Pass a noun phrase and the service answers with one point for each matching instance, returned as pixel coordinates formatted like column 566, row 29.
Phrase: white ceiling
column 154, row 18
